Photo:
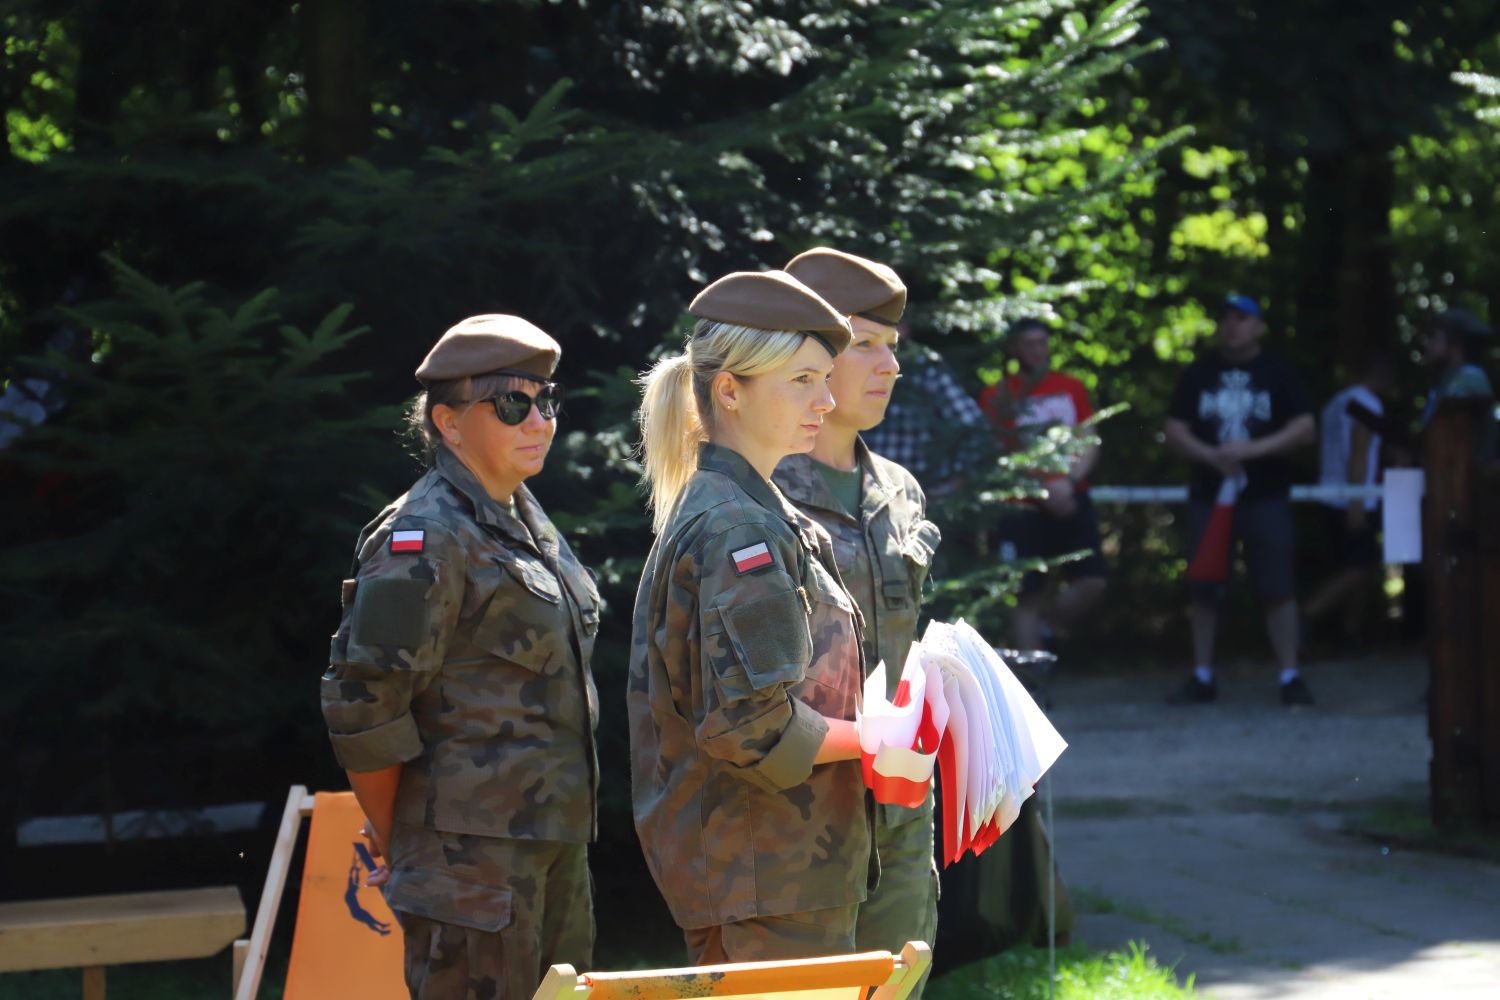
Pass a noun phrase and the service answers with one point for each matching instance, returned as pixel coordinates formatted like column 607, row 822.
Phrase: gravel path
column 1219, row 835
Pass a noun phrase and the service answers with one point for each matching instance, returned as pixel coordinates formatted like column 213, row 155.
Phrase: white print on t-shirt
column 1048, row 411
column 1234, row 403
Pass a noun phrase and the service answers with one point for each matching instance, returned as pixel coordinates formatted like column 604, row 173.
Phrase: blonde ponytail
column 670, row 434
column 677, row 402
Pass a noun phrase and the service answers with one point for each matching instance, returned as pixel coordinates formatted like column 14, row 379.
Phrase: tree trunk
column 1366, row 295
column 336, row 39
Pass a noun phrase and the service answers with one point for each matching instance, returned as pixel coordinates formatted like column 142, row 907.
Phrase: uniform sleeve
column 394, row 634
column 756, row 645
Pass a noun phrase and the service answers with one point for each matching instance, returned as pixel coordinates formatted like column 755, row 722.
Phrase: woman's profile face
column 499, row 453
column 779, row 412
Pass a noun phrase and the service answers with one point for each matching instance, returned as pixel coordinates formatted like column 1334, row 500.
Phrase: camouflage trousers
column 904, row 906
column 485, row 917
column 768, row 939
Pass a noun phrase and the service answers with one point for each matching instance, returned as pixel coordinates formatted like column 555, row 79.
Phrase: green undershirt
column 846, row 487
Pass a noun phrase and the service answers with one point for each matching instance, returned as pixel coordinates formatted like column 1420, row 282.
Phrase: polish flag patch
column 751, row 558
column 407, row 541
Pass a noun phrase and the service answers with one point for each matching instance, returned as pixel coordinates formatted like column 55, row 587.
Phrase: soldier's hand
column 376, row 844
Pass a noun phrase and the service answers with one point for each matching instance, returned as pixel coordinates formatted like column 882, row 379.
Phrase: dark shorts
column 1353, row 549
column 1034, row 534
column 1263, row 531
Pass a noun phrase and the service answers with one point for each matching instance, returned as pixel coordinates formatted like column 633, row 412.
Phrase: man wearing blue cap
column 1236, row 414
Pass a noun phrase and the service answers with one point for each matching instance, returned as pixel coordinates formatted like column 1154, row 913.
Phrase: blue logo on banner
column 363, row 862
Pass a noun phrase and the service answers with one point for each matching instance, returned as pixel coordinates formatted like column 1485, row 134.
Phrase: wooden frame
column 879, row 975
column 250, row 953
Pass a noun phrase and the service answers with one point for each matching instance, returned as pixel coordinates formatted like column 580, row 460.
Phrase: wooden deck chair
column 872, row 975
column 347, row 942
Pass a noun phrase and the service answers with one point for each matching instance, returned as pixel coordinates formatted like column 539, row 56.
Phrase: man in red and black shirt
column 1022, row 406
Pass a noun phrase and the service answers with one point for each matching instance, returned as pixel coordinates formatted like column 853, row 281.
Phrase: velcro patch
column 751, row 558
column 408, row 541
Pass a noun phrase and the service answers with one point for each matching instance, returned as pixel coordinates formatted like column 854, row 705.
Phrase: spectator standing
column 1023, row 406
column 1350, row 454
column 932, row 426
column 1239, row 411
column 1453, row 349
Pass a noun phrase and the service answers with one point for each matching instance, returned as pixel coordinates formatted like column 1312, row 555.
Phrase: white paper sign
column 1402, row 518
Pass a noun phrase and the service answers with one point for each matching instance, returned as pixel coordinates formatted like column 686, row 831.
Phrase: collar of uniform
column 878, row 489
column 797, row 476
column 725, row 461
column 486, row 510
column 543, row 534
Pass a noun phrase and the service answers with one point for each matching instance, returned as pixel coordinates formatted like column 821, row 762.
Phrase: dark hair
column 1021, row 327
column 454, row 392
column 1471, row 332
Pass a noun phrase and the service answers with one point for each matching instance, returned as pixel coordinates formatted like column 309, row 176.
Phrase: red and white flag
column 1210, row 562
column 751, row 557
column 408, row 541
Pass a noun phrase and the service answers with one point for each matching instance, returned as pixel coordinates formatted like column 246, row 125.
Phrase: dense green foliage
column 623, row 154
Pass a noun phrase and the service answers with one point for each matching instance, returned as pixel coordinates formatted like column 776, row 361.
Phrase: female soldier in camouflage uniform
column 876, row 514
column 459, row 697
column 745, row 668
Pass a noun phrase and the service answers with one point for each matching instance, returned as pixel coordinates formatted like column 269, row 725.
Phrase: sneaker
column 1295, row 692
column 1194, row 692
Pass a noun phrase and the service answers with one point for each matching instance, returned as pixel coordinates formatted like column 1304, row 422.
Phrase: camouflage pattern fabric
column 463, row 655
column 884, row 552
column 486, row 917
column 774, row 939
column 744, row 639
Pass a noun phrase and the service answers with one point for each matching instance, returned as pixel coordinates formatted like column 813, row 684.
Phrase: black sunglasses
column 512, row 407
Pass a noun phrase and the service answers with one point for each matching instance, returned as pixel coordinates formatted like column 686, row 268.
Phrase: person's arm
column 1182, row 440
column 1083, row 465
column 376, row 793
column 841, row 742
column 1359, row 467
column 1299, row 432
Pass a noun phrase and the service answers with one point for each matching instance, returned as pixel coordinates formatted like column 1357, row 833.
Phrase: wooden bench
column 92, row 932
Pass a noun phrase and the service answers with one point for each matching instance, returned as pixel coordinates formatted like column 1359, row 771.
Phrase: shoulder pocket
column 442, row 897
column 390, row 611
column 770, row 638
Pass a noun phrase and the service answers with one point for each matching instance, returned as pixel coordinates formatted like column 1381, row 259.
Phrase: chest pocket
column 835, row 637
column 526, row 621
column 918, row 548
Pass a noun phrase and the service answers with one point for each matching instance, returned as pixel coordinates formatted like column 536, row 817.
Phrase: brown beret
column 772, row 300
column 853, row 285
column 483, row 344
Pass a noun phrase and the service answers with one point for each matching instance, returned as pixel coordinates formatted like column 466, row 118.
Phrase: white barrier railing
column 1302, row 492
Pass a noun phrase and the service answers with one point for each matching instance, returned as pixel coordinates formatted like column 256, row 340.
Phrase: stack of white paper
column 958, row 710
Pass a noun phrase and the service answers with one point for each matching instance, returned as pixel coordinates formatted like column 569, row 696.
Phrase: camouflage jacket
column 744, row 639
column 883, row 557
column 463, row 654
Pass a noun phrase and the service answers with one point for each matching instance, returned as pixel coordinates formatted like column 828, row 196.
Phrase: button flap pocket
column 921, row 542
column 821, row 586
column 451, row 900
column 536, row 578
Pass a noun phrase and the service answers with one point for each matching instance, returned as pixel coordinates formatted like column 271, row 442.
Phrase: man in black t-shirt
column 1239, row 411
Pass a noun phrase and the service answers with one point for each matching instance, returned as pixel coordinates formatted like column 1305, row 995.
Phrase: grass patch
column 187, row 980
column 1406, row 822
column 1021, row 974
column 1093, row 902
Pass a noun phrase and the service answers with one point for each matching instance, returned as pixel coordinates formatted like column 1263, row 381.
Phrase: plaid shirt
column 932, row 426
